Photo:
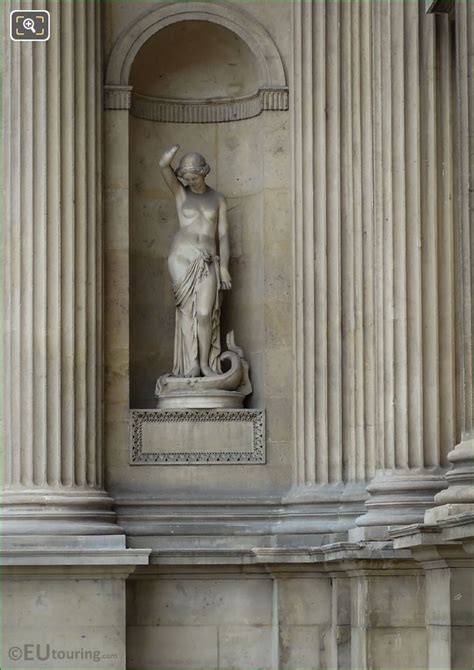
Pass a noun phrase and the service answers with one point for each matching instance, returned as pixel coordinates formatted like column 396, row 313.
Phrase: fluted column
column 53, row 279
column 415, row 288
column 334, row 256
column 459, row 496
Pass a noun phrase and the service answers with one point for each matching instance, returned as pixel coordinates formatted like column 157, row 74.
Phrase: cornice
column 218, row 110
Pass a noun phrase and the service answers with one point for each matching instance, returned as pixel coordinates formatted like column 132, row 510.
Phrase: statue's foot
column 195, row 371
column 208, row 372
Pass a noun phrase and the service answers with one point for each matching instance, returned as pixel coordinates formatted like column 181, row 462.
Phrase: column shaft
column 459, row 496
column 415, row 322
column 53, row 278
column 334, row 251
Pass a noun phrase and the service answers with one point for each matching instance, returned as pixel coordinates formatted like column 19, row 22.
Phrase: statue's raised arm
column 168, row 172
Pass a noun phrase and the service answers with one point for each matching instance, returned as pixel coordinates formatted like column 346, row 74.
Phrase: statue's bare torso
column 198, row 216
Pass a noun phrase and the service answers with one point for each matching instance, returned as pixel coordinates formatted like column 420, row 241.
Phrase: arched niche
column 271, row 73
column 223, row 119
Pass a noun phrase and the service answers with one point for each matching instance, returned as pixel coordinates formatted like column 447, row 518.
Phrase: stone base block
column 64, row 607
column 388, row 620
column 228, row 621
column 62, row 621
column 389, row 649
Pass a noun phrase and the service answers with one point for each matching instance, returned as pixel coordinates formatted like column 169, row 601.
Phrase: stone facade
column 329, row 525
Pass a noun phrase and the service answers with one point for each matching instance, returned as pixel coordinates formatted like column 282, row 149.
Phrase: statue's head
column 193, row 164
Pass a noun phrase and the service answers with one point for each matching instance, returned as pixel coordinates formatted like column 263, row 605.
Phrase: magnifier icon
column 29, row 24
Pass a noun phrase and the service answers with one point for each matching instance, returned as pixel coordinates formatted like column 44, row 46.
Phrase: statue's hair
column 203, row 170
column 200, row 165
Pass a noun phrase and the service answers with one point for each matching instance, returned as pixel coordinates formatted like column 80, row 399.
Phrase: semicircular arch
column 270, row 68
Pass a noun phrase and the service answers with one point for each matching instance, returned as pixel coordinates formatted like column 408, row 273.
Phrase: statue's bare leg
column 205, row 299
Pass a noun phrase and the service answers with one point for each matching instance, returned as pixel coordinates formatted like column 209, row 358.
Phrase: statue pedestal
column 220, row 391
column 192, row 397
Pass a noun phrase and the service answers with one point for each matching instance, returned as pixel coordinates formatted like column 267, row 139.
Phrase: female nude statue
column 198, row 264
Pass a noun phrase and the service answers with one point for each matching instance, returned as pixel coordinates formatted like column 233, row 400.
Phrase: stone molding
column 261, row 517
column 445, row 531
column 458, row 497
column 117, row 97
column 401, row 496
column 51, row 558
column 63, row 512
column 256, row 454
column 346, row 557
column 270, row 68
column 201, row 111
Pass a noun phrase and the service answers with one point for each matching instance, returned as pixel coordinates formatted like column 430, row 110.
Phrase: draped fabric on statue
column 186, row 346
